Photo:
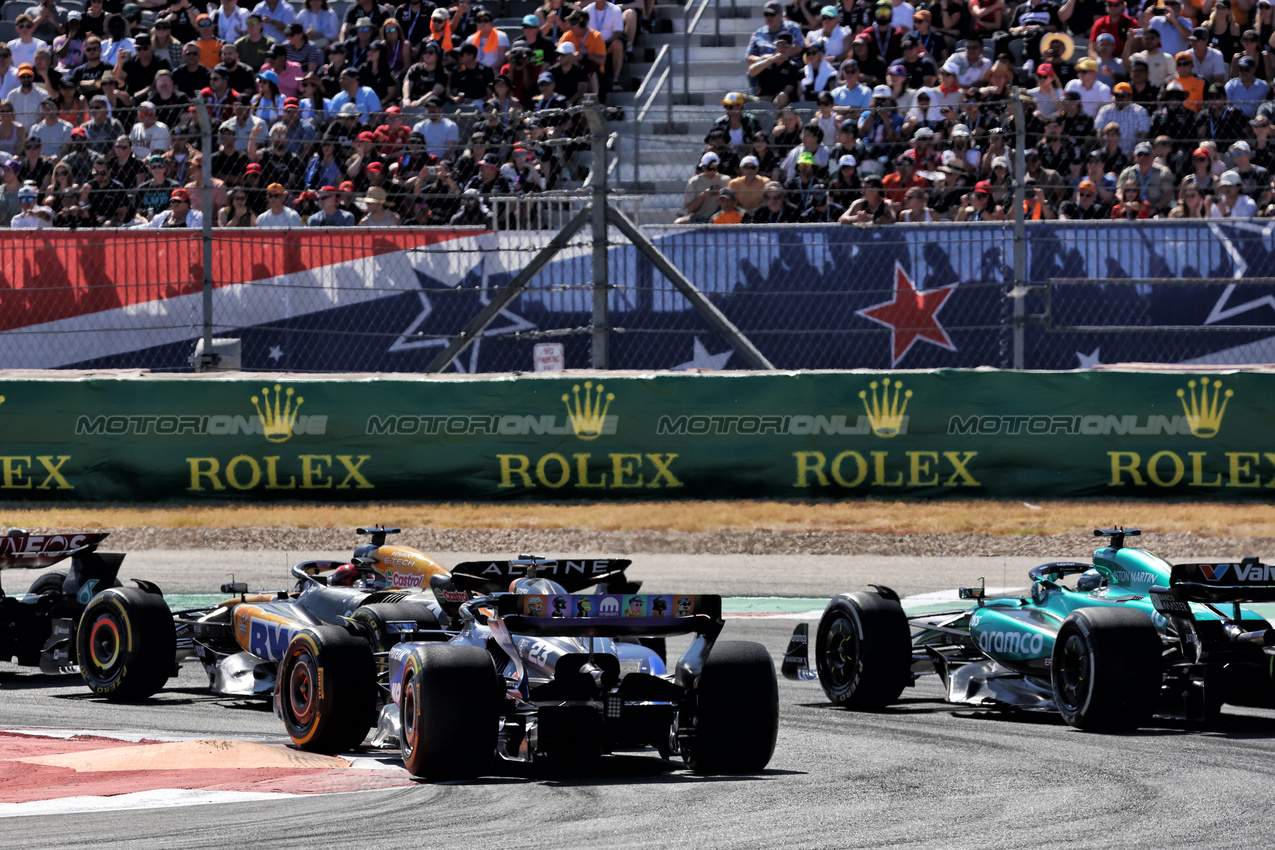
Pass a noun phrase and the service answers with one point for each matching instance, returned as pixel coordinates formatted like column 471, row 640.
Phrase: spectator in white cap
column 149, row 135
column 700, row 198
column 749, row 186
column 1254, row 179
column 1229, row 202
column 844, row 188
column 965, row 157
column 1247, row 91
column 31, row 217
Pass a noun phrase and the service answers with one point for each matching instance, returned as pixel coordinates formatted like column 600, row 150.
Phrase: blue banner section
column 813, row 297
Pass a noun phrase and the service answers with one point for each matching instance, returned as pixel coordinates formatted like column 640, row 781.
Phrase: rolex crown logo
column 885, row 412
column 277, row 424
column 1203, row 412
column 587, row 417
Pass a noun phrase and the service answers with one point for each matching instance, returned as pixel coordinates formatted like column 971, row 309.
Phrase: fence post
column 1020, row 227
column 686, row 54
column 206, row 205
column 601, row 279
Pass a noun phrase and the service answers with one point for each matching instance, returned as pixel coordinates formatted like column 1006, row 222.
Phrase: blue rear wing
column 609, row 614
column 1249, row 580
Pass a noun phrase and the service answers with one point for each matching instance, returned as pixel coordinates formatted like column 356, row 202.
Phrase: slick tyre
column 734, row 711
column 371, row 621
column 450, row 712
column 126, row 644
column 50, row 582
column 863, row 651
column 1106, row 669
column 325, row 693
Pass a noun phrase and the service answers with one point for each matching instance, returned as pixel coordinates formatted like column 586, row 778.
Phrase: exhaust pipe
column 1261, row 637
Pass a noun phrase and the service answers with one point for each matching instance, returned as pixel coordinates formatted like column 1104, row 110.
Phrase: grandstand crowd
column 881, row 111
column 416, row 114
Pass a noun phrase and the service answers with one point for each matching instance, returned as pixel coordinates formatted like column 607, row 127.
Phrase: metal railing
column 658, row 79
column 693, row 14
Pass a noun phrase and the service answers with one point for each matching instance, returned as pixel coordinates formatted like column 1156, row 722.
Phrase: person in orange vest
column 729, row 213
column 1035, row 207
column 1191, row 84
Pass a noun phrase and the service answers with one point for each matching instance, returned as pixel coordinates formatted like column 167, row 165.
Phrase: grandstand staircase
column 656, row 158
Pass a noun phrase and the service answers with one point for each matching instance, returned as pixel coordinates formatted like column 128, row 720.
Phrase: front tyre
column 1106, row 669
column 325, row 693
column 450, row 712
column 863, row 651
column 126, row 644
column 734, row 711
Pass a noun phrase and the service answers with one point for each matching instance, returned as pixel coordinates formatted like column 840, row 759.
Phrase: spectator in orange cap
column 278, row 215
column 1085, row 206
column 1191, row 84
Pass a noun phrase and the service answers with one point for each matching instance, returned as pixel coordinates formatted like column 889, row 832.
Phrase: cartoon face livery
column 559, row 606
column 584, row 607
column 535, row 606
column 636, row 607
column 684, row 606
column 658, row 606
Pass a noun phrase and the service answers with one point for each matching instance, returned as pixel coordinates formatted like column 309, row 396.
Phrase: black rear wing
column 610, row 614
column 21, row 550
column 1249, row 580
column 573, row 574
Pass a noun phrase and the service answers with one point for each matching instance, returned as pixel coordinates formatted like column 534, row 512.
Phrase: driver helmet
column 1090, row 580
column 344, row 576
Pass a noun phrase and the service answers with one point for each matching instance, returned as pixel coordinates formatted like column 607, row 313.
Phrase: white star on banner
column 701, row 359
column 276, row 353
column 1088, row 361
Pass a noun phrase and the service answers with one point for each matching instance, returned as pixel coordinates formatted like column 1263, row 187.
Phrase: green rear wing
column 1248, row 580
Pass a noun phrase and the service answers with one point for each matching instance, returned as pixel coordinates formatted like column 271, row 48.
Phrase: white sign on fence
column 550, row 357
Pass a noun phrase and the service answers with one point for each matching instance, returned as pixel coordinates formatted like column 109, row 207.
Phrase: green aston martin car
column 1130, row 636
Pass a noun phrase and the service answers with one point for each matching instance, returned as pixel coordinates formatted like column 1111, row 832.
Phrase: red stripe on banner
column 51, row 274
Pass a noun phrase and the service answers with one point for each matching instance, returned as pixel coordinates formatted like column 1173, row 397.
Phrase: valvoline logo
column 1214, row 572
column 268, row 640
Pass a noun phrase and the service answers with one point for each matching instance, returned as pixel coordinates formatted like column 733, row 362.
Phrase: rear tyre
column 734, row 711
column 863, row 651
column 1106, row 669
column 50, row 582
column 126, row 644
column 326, row 689
column 450, row 712
column 371, row 620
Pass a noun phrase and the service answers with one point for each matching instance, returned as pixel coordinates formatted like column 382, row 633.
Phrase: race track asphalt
column 922, row 774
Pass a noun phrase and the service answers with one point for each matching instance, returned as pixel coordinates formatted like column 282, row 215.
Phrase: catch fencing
column 808, row 296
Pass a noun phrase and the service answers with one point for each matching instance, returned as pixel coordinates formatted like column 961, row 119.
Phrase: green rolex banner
column 773, row 435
